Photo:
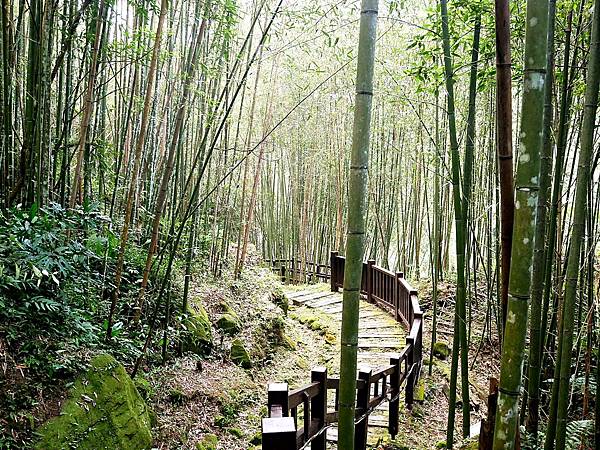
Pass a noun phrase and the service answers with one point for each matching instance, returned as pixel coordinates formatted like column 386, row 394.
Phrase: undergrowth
column 56, row 270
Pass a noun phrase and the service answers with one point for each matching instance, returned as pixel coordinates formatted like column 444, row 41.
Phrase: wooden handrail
column 391, row 292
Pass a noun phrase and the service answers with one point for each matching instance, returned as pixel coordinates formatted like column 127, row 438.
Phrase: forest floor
column 195, row 399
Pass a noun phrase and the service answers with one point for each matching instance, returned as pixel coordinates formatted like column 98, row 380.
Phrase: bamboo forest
column 299, row 224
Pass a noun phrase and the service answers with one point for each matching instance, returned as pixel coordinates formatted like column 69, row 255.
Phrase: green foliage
column 198, row 331
column 49, row 276
column 580, row 434
column 104, row 410
column 55, row 268
column 240, row 355
column 426, row 66
column 208, row 442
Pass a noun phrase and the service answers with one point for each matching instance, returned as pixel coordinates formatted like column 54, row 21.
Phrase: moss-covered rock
column 441, row 350
column 471, row 444
column 236, row 432
column 229, row 323
column 199, row 331
column 330, row 338
column 104, row 411
column 239, row 354
column 278, row 297
column 208, row 442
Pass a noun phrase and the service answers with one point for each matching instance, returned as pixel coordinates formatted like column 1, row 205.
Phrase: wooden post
column 362, row 405
column 486, row 435
column 410, row 381
column 277, row 399
column 418, row 358
column 278, row 433
column 318, row 407
column 332, row 263
column 395, row 402
column 397, row 296
column 283, row 273
column 370, row 264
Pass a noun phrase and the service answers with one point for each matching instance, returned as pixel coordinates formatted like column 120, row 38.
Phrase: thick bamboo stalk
column 527, row 187
column 578, row 228
column 537, row 278
column 356, row 221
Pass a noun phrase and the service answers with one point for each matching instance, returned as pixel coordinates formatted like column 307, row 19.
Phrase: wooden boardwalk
column 380, row 338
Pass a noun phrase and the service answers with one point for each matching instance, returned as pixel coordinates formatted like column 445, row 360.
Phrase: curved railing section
column 392, row 293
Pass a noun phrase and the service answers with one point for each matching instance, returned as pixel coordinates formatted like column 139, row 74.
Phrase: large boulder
column 104, row 411
column 199, row 335
column 441, row 350
column 229, row 322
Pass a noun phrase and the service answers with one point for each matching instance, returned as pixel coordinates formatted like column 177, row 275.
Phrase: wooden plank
column 322, row 302
column 309, row 296
column 383, row 335
column 380, row 345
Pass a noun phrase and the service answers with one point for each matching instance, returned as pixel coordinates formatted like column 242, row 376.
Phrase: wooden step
column 323, row 302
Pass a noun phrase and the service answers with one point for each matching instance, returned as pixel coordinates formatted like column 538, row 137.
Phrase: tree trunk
column 527, row 187
column 460, row 329
column 355, row 240
column 537, row 278
column 88, row 106
column 504, row 144
column 132, row 192
column 578, row 228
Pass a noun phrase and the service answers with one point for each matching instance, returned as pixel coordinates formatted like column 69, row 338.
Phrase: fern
column 580, row 435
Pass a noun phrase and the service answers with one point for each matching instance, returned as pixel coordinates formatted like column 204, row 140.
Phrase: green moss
column 441, row 350
column 278, row 297
column 104, row 411
column 236, row 432
column 229, row 323
column 143, row 387
column 256, row 439
column 199, row 339
column 208, row 442
column 419, row 393
column 239, row 354
column 316, row 325
column 440, row 444
column 472, row 444
column 330, row 338
column 177, row 396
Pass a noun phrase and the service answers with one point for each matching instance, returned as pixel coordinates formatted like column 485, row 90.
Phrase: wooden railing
column 391, row 292
column 296, row 270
